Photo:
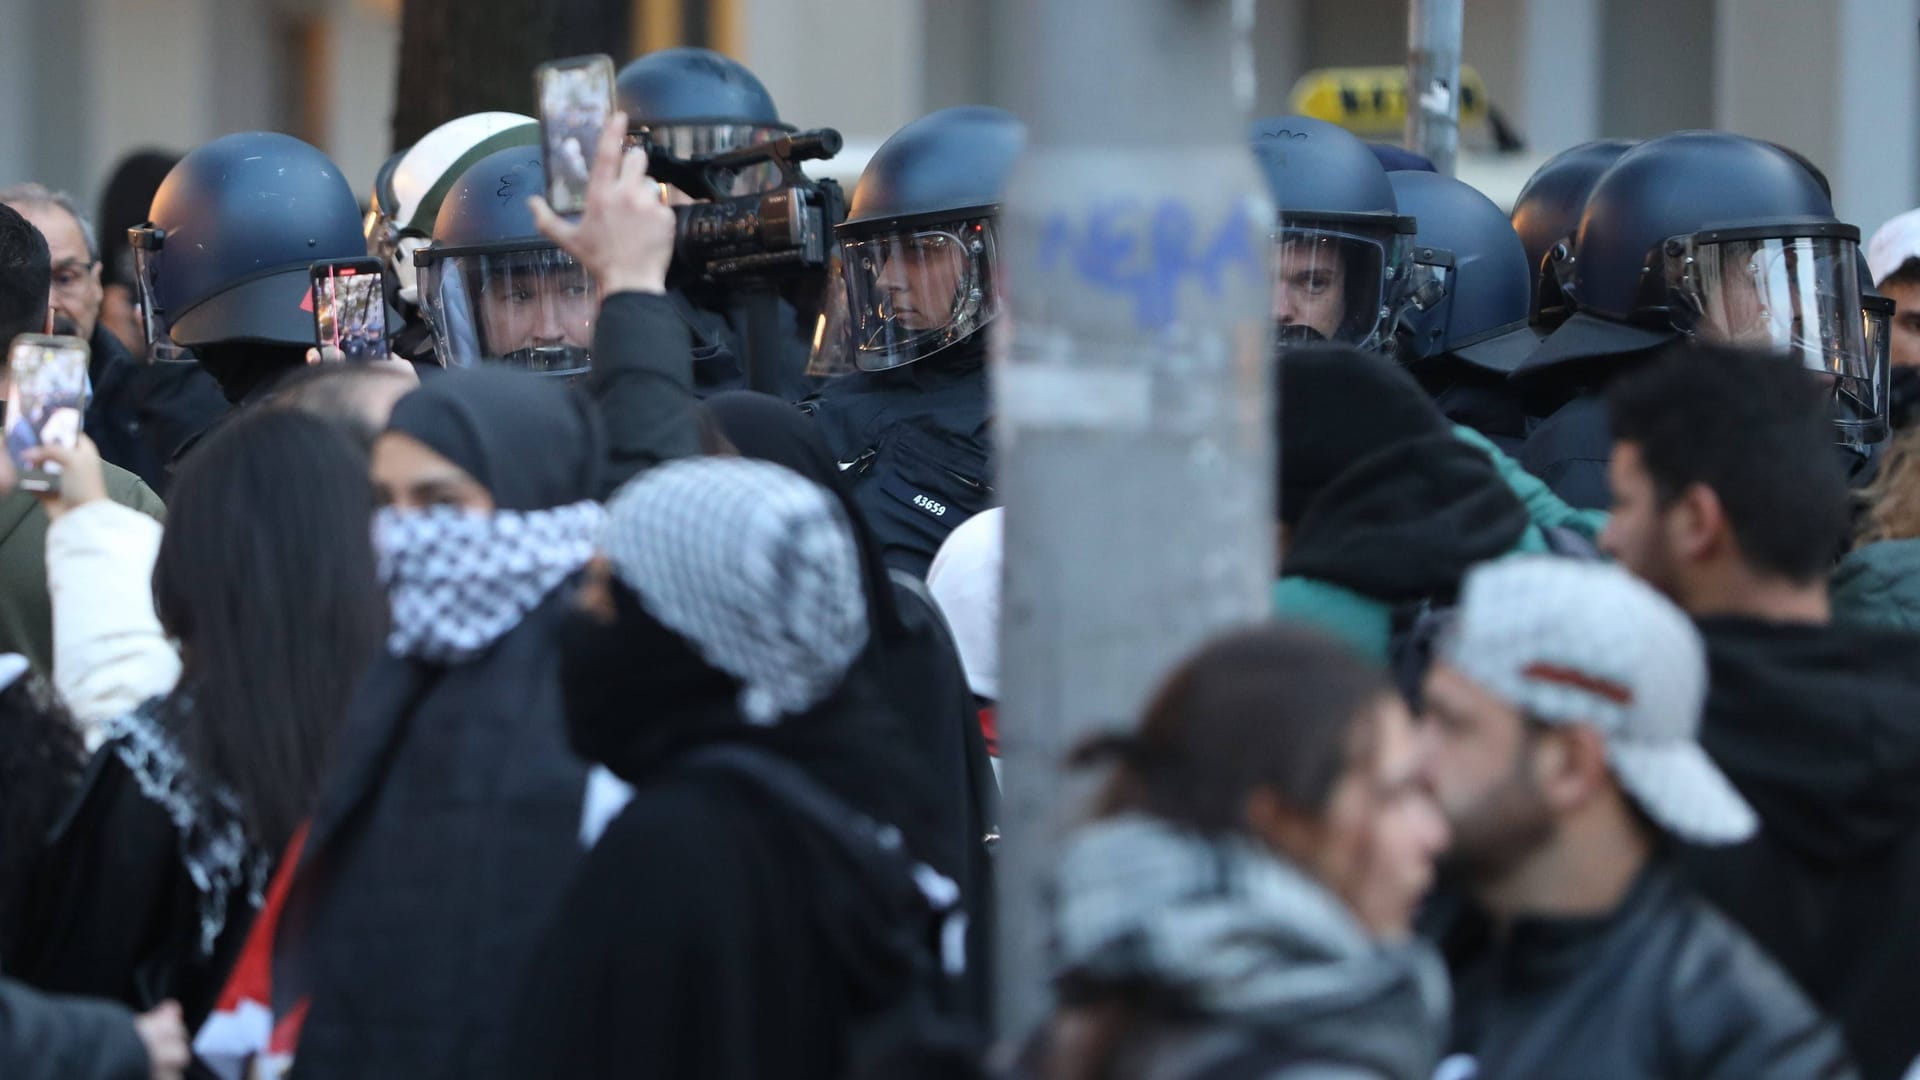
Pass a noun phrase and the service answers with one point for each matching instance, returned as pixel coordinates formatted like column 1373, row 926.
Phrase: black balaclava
column 615, row 675
column 533, row 443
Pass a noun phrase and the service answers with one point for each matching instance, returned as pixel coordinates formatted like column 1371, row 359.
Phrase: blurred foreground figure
column 1240, row 905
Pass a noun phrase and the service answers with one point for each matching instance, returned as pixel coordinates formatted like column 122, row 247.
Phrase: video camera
column 767, row 235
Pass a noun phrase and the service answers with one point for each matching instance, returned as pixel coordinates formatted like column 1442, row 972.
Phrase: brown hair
column 1269, row 706
column 1893, row 499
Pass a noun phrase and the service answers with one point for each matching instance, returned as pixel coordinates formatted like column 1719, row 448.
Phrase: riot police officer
column 1464, row 328
column 494, row 290
column 1340, row 247
column 1547, row 211
column 407, row 195
column 921, row 271
column 693, row 103
column 1710, row 235
column 222, row 263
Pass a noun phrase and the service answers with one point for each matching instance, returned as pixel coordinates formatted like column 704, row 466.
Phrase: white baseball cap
column 1895, row 242
column 1571, row 642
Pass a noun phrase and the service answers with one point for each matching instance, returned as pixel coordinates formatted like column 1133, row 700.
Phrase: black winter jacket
column 1819, row 728
column 55, row 1038
column 915, row 445
column 1663, row 987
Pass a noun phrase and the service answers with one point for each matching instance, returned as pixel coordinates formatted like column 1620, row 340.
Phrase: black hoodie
column 1819, row 728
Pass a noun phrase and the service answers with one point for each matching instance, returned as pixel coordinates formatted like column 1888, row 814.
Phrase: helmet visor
column 832, row 353
column 155, row 321
column 912, row 292
column 1423, row 327
column 1870, row 420
column 1329, row 285
column 529, row 309
column 695, row 141
column 1795, row 295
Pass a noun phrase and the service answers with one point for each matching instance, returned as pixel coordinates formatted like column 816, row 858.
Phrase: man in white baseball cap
column 1893, row 258
column 1560, row 726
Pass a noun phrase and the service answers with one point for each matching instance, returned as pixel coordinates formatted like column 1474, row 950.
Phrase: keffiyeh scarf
column 459, row 581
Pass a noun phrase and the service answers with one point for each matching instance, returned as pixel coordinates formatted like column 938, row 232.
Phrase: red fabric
column 252, row 978
column 989, row 731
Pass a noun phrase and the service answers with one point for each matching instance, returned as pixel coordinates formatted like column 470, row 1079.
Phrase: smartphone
column 575, row 98
column 350, row 308
column 48, row 402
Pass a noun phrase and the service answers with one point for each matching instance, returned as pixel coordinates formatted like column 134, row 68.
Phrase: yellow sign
column 1373, row 100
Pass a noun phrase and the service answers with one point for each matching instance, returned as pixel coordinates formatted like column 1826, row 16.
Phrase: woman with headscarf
column 911, row 657
column 448, row 825
column 720, row 928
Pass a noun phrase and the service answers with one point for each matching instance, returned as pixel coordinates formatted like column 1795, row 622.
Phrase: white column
column 1559, row 47
column 363, row 47
column 1838, row 82
column 1875, row 163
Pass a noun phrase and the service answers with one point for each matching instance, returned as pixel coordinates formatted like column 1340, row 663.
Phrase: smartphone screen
column 48, row 404
column 575, row 99
column 350, row 308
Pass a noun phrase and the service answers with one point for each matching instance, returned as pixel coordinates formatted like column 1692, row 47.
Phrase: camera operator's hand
column 625, row 236
column 83, row 479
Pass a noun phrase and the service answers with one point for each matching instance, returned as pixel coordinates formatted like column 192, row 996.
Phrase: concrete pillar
column 363, row 46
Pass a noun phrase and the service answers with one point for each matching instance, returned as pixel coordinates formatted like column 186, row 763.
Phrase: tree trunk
column 466, row 56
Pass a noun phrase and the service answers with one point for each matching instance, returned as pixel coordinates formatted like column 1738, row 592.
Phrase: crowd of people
column 604, row 686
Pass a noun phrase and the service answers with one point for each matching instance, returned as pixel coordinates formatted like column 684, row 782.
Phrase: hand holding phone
column 47, row 404
column 350, row 308
column 575, row 98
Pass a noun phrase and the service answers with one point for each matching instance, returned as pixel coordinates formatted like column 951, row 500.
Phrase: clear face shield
column 691, row 142
column 1798, row 296
column 911, row 292
column 148, row 244
column 832, row 352
column 394, row 247
column 1424, row 318
column 527, row 309
column 1332, row 284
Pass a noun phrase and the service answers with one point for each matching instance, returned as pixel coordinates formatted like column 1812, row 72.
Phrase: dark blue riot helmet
column 1729, row 239
column 918, row 252
column 1467, row 289
column 495, row 290
column 1340, row 242
column 223, row 258
column 694, row 103
column 1547, row 213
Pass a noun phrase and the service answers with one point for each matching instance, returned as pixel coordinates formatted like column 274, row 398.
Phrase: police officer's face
column 524, row 309
column 920, row 280
column 1310, row 285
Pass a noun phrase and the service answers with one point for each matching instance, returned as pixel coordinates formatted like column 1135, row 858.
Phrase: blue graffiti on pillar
column 1149, row 255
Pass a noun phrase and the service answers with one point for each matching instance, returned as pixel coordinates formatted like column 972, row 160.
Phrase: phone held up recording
column 350, row 309
column 576, row 97
column 48, row 403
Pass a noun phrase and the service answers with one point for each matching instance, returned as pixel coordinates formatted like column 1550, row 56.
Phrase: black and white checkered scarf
column 459, row 581
column 753, row 565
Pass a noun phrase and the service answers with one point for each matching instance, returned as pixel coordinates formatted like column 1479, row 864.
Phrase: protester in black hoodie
column 1382, row 508
column 911, row 657
column 724, row 926
column 1728, row 497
